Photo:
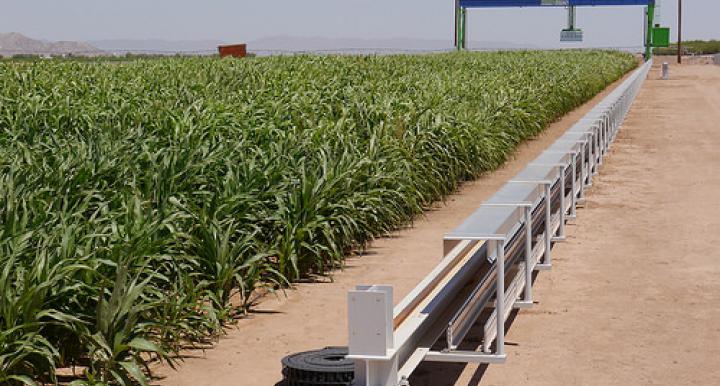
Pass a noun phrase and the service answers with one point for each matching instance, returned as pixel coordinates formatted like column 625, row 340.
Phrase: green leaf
column 144, row 345
column 24, row 379
column 133, row 369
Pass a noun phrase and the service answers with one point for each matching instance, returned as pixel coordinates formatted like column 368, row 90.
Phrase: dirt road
column 634, row 298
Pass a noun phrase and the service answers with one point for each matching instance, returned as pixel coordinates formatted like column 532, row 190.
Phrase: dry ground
column 634, row 298
column 635, row 294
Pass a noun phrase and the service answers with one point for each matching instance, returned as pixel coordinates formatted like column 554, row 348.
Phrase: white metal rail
column 489, row 259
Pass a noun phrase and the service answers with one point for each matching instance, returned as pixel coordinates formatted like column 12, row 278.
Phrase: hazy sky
column 247, row 20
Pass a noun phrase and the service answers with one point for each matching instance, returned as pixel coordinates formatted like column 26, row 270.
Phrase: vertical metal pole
column 600, row 150
column 648, row 35
column 456, row 27
column 599, row 137
column 679, row 42
column 573, row 204
column 606, row 136
column 617, row 108
column 547, row 260
column 597, row 160
column 591, row 161
column 561, row 213
column 500, row 298
column 463, row 28
column 528, row 255
column 583, row 171
column 571, row 18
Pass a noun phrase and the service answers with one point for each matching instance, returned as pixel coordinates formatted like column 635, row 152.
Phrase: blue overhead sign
column 548, row 3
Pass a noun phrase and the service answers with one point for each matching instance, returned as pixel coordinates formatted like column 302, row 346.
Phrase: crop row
column 144, row 205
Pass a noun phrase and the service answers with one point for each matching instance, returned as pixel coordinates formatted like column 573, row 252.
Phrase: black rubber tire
column 326, row 367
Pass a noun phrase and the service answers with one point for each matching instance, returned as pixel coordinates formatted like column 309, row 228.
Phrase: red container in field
column 234, row 50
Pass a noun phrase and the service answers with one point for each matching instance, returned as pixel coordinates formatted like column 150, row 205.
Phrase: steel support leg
column 500, row 298
column 560, row 236
column 460, row 27
column 593, row 157
column 586, row 172
column 600, row 151
column 547, row 256
column 529, row 264
column 573, row 195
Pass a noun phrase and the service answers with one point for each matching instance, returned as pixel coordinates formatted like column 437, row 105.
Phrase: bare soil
column 635, row 294
column 634, row 297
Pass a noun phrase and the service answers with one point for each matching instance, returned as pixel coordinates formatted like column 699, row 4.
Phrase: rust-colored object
column 234, row 50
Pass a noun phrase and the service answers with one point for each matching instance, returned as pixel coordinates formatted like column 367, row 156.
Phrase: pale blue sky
column 246, row 20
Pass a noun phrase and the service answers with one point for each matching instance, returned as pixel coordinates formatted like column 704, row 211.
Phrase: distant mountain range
column 15, row 43
column 157, row 46
column 18, row 44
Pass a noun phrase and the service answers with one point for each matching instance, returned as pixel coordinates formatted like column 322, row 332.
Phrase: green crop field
column 692, row 47
column 144, row 205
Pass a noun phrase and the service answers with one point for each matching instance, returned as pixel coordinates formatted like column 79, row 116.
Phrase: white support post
column 614, row 116
column 593, row 155
column 608, row 127
column 610, row 136
column 500, row 298
column 600, row 150
column 603, row 140
column 573, row 197
column 527, row 301
column 370, row 313
column 560, row 236
column 547, row 258
column 606, row 135
column 585, row 172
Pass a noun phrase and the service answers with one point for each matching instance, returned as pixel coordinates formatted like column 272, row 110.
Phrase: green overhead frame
column 460, row 26
column 655, row 36
column 650, row 17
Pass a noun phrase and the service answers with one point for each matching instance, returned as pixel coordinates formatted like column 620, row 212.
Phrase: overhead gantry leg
column 571, row 33
column 460, row 26
column 571, row 18
column 650, row 17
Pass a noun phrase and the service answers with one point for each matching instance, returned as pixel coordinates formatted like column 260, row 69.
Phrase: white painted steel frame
column 388, row 343
column 546, row 177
